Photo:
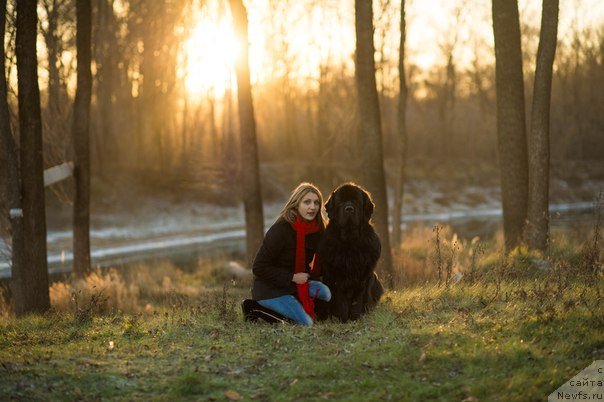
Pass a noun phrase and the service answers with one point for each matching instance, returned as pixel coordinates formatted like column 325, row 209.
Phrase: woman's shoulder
column 281, row 226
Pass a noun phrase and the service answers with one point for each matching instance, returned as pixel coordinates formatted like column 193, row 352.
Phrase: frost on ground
column 127, row 222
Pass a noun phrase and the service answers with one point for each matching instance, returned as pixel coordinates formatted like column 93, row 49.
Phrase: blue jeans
column 290, row 307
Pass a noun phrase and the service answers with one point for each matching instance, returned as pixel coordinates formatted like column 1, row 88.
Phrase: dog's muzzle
column 349, row 208
column 348, row 218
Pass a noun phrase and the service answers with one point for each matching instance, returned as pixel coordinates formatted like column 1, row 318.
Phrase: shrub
column 81, row 293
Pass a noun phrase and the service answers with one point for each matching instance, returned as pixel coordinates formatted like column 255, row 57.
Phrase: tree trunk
column 184, row 129
column 13, row 182
column 53, row 46
column 402, row 134
column 250, row 175
column 511, row 125
column 324, row 143
column 148, row 112
column 371, row 130
column 33, row 279
column 106, row 71
column 215, row 153
column 449, row 104
column 537, row 226
column 81, row 141
column 229, row 142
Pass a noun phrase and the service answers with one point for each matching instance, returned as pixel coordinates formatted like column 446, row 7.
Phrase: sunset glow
column 210, row 52
column 309, row 42
column 295, row 39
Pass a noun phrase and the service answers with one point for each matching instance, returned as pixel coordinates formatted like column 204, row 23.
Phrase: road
column 224, row 237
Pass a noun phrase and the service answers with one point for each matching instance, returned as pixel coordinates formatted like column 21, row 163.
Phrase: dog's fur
column 349, row 252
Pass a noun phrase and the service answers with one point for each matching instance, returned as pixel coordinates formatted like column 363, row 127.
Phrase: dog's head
column 349, row 206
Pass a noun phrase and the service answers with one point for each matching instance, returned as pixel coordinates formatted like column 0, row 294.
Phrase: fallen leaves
column 232, row 395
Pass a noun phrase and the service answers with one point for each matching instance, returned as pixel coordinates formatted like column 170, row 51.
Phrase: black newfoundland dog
column 349, row 252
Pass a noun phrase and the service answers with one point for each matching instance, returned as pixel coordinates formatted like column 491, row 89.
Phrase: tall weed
column 592, row 263
column 5, row 303
column 116, row 294
column 428, row 255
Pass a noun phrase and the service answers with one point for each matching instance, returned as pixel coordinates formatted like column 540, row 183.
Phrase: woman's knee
column 327, row 293
column 321, row 289
column 324, row 292
column 306, row 320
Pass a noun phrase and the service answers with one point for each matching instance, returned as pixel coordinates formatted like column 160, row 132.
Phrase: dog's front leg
column 323, row 308
column 341, row 306
column 358, row 305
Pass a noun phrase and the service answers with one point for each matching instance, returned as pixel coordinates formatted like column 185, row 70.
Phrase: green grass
column 511, row 340
column 510, row 330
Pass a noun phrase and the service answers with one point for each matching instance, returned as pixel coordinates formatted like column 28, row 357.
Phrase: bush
column 81, row 293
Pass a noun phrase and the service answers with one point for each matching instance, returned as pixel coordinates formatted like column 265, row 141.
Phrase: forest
column 151, row 126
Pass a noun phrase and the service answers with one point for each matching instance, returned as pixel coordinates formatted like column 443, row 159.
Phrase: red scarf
column 303, row 228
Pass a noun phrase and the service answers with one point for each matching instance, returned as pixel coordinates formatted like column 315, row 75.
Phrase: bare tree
column 537, row 226
column 511, row 126
column 383, row 19
column 229, row 150
column 153, row 24
column 149, row 116
column 448, row 92
column 81, row 140
column 106, row 57
column 56, row 26
column 371, row 129
column 250, row 175
column 402, row 136
column 284, row 65
column 8, row 149
column 33, row 279
column 53, row 40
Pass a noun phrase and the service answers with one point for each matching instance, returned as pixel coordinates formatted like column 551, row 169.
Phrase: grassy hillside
column 510, row 329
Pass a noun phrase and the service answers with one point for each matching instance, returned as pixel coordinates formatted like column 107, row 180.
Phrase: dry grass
column 144, row 286
column 426, row 251
column 221, row 270
column 117, row 294
column 156, row 280
column 5, row 303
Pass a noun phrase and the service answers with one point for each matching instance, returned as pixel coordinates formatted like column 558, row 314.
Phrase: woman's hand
column 300, row 278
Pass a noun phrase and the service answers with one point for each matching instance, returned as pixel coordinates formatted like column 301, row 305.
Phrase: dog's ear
column 368, row 206
column 329, row 207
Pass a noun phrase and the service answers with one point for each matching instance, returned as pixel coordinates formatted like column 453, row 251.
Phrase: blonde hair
column 289, row 211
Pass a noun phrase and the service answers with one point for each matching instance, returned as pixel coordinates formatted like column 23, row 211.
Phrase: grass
column 510, row 332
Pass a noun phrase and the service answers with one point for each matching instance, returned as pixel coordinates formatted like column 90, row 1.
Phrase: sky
column 312, row 33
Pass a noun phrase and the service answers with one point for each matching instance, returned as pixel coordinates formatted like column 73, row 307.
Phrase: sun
column 209, row 57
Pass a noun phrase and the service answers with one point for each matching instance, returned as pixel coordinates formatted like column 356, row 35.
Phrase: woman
column 284, row 264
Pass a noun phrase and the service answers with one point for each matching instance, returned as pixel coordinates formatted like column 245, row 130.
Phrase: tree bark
column 13, row 182
column 106, row 77
column 371, row 130
column 34, row 276
column 53, row 46
column 81, row 140
column 511, row 125
column 250, row 171
column 149, row 133
column 402, row 137
column 537, row 226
